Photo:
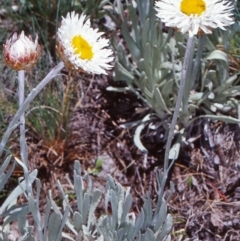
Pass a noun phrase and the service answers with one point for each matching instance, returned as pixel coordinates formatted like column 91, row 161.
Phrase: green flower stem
column 23, row 144
column 185, row 71
column 15, row 121
column 66, row 106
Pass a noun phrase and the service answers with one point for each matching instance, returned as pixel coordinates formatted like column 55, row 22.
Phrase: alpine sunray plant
column 169, row 76
column 157, row 83
column 153, row 68
column 120, row 224
column 86, row 49
column 21, row 53
column 80, row 47
column 193, row 17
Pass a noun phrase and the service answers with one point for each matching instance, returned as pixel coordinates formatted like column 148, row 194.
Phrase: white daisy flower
column 195, row 16
column 21, row 52
column 81, row 47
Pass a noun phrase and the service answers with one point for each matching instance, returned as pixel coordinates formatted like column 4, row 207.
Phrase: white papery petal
column 218, row 14
column 75, row 25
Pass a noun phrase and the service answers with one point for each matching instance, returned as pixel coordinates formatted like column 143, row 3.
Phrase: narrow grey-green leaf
column 135, row 33
column 167, row 227
column 54, row 205
column 143, row 8
column 145, row 32
column 22, row 221
column 227, row 119
column 85, row 206
column 149, row 235
column 147, row 208
column 53, row 226
column 62, row 193
column 46, row 217
column 6, row 135
column 111, row 182
column 160, row 217
column 122, row 56
column 167, row 89
column 77, row 167
column 62, row 224
column 126, row 207
column 66, row 236
column 139, row 223
column 29, row 237
column 12, row 214
column 78, row 188
column 218, row 54
column 148, row 65
column 120, row 233
column 95, row 199
column 159, row 102
column 77, row 221
column 174, row 151
column 130, row 231
column 4, row 177
column 34, row 209
column 121, row 73
column 114, row 206
column 137, row 138
column 135, row 52
column 18, row 190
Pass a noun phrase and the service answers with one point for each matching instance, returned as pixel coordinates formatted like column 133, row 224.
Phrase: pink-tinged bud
column 21, row 52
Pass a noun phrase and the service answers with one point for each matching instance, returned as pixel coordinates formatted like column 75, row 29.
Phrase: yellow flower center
column 195, row 7
column 82, row 47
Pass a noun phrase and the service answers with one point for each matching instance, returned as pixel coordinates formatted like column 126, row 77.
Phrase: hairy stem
column 186, row 65
column 23, row 144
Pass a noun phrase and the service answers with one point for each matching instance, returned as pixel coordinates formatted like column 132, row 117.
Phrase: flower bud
column 21, row 52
